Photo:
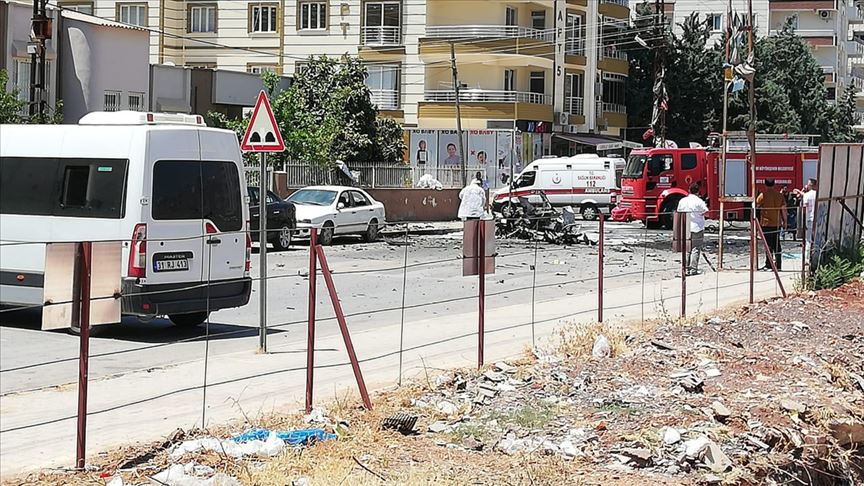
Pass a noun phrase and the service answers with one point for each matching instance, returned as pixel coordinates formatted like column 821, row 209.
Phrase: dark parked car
column 281, row 220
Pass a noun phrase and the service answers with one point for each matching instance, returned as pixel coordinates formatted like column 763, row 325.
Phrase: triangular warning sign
column 262, row 134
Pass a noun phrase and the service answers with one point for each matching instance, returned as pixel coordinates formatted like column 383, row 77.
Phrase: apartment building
column 827, row 25
column 532, row 65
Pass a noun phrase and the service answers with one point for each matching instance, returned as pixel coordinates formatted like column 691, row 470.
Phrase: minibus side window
column 79, row 188
column 75, row 181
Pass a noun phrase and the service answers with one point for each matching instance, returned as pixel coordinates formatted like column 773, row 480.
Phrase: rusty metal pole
column 84, row 259
column 481, row 272
column 310, row 336
column 682, row 240
column 769, row 255
column 802, row 214
column 343, row 327
column 600, row 257
column 753, row 255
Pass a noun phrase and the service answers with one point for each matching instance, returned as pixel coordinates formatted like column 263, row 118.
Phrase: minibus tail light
column 138, row 252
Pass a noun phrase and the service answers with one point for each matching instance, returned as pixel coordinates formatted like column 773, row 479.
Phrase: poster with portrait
column 503, row 155
column 538, row 145
column 482, row 152
column 423, row 148
column 448, row 148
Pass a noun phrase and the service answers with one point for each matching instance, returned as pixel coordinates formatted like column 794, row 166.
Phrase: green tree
column 327, row 115
column 790, row 92
column 10, row 105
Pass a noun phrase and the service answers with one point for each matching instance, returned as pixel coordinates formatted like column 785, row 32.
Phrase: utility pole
column 751, row 137
column 727, row 79
column 458, row 113
column 40, row 32
column 658, row 118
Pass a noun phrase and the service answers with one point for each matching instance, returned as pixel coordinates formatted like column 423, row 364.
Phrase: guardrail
column 614, row 108
column 468, row 95
column 609, row 52
column 575, row 105
column 488, row 32
column 381, row 36
column 385, row 99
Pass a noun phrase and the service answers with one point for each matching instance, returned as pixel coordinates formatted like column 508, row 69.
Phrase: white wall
column 98, row 58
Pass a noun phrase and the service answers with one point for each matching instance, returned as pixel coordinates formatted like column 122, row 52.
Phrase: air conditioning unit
column 563, row 118
column 824, row 14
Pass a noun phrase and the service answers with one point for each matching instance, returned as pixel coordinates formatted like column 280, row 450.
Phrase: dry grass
column 577, row 340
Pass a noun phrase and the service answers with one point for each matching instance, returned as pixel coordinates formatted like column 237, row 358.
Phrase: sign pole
column 262, row 254
column 84, row 257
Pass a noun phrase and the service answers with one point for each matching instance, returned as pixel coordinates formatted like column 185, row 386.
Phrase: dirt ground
column 767, row 394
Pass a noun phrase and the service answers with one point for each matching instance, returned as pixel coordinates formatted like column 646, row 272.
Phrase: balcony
column 381, row 36
column 615, row 8
column 614, row 108
column 488, row 32
column 473, row 95
column 575, row 105
column 611, row 52
column 385, row 99
column 574, row 47
column 801, row 4
column 623, row 3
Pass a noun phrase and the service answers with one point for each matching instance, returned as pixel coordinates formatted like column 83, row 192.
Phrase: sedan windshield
column 314, row 197
column 635, row 167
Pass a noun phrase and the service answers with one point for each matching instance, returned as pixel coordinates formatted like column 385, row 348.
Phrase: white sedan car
column 337, row 210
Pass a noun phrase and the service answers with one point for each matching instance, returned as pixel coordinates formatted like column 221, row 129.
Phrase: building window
column 509, row 80
column 382, row 23
column 260, row 68
column 21, row 81
column 574, row 94
column 538, row 19
column 613, row 93
column 715, row 22
column 132, row 13
column 510, row 16
column 575, row 43
column 313, row 16
column 201, row 65
column 202, row 18
column 136, row 101
column 263, row 17
column 538, row 82
column 112, row 101
column 383, row 82
column 82, row 7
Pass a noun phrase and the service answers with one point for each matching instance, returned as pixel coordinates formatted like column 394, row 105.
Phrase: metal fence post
column 481, row 272
column 600, row 257
column 84, row 258
column 310, row 330
column 682, row 240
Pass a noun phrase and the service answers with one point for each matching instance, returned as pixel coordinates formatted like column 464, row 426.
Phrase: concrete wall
column 98, row 58
column 170, row 89
column 413, row 205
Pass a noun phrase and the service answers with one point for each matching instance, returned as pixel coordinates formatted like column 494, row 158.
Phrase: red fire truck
column 655, row 179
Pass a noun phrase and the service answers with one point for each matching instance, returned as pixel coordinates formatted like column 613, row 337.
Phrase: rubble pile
column 772, row 394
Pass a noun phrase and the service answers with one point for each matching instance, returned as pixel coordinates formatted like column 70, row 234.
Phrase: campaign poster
column 520, row 157
column 423, row 148
column 527, row 147
column 482, row 152
column 538, row 145
column 503, row 156
column 448, row 149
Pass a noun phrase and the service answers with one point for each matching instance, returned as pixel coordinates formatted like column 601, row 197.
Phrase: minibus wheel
column 189, row 320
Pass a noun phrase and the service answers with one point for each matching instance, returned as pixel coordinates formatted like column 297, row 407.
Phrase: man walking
column 694, row 205
column 772, row 217
column 473, row 198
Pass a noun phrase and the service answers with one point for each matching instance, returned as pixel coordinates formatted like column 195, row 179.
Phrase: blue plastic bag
column 294, row 437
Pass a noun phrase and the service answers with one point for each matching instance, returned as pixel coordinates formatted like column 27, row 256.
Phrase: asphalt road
column 369, row 280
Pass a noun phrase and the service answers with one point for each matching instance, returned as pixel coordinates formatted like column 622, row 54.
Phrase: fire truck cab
column 655, row 179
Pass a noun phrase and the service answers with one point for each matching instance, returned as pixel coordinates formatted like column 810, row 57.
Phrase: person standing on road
column 808, row 200
column 473, row 199
column 697, row 208
column 772, row 217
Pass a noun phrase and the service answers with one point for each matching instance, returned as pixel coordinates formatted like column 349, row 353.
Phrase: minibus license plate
column 171, row 262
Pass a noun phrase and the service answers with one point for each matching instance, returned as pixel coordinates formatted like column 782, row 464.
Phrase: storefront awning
column 599, row 142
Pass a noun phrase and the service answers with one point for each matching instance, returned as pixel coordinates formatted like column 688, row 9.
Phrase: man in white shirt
column 694, row 205
column 808, row 201
column 473, row 198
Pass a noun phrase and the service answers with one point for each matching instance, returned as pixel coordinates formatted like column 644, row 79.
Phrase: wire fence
column 406, row 303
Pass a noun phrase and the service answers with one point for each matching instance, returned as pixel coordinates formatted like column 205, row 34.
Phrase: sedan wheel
column 325, row 236
column 283, row 239
column 371, row 231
